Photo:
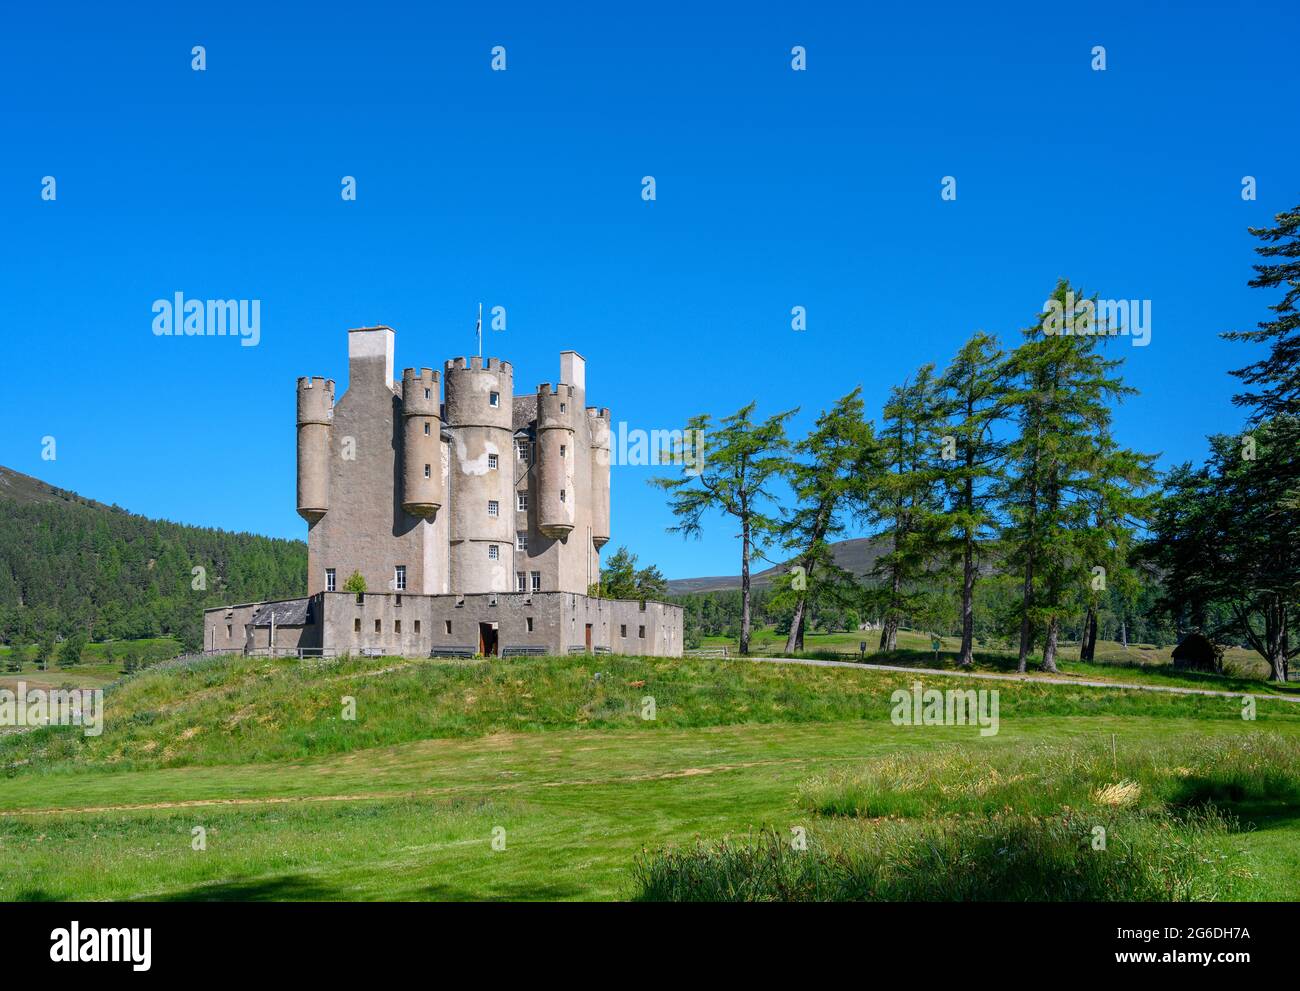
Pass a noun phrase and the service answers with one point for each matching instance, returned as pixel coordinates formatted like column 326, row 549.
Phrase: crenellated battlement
column 315, row 400
column 598, row 412
column 477, row 364
column 425, row 375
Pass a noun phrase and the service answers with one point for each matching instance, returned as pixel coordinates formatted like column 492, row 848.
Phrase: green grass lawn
column 550, row 755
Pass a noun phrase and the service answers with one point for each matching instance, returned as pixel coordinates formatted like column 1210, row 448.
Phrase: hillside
column 857, row 556
column 68, row 562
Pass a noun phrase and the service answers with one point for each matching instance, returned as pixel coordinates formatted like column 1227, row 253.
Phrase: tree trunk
column 1049, row 647
column 795, row 640
column 744, row 588
column 1123, row 632
column 1026, row 628
column 967, row 657
column 1088, row 646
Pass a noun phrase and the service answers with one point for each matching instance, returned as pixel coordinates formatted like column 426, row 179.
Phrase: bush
column 70, row 651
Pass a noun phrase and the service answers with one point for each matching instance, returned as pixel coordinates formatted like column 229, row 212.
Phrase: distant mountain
column 68, row 562
column 857, row 556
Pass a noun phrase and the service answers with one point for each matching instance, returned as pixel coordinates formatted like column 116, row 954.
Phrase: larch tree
column 729, row 468
column 1061, row 399
column 831, row 476
column 972, row 389
column 906, row 500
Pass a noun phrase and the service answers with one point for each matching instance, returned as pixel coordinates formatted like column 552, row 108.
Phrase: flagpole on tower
column 479, row 329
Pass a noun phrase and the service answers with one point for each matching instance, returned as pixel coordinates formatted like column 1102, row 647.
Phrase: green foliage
column 1275, row 379
column 70, row 650
column 620, row 578
column 729, row 470
column 830, row 476
column 1064, row 473
column 356, row 583
column 908, row 504
column 45, row 647
column 1227, row 535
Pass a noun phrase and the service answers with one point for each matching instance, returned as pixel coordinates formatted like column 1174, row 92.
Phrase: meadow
column 621, row 778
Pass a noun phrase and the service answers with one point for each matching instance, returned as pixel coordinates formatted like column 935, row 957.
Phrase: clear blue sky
column 522, row 188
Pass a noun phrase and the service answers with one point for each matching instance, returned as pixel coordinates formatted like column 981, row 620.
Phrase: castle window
column 521, row 501
column 230, row 630
column 426, row 394
column 529, row 621
column 494, row 552
column 331, row 581
column 494, row 508
column 398, row 602
column 397, row 627
column 521, row 581
column 521, row 450
column 622, row 630
column 564, row 407
column 428, row 473
column 417, row 627
column 399, row 579
column 537, row 581
column 640, row 631
column 426, row 428
column 447, row 626
column 356, row 625
column 562, row 450
column 378, row 626
column 492, row 461
column 521, row 540
column 494, row 399
column 562, row 495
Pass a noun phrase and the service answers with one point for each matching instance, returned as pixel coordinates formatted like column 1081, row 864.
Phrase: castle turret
column 557, row 494
column 421, row 443
column 599, row 420
column 315, row 415
column 479, row 409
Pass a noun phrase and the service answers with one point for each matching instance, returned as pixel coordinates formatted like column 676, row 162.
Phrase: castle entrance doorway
column 487, row 639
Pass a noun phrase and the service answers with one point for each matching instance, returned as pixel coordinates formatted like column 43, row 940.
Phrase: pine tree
column 728, row 470
column 1228, row 534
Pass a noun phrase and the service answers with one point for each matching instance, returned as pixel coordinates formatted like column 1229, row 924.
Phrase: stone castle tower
column 462, row 489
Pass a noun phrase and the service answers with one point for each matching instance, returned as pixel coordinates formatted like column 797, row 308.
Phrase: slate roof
column 290, row 612
column 524, row 412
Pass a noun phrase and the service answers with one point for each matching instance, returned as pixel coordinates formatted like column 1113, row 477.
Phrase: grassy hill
column 542, row 778
column 69, row 563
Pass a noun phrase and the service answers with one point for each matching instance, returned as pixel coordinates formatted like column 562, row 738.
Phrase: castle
column 474, row 517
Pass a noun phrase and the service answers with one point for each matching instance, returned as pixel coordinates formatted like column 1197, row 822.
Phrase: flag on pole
column 478, row 329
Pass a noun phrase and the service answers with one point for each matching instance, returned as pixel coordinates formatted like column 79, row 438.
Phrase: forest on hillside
column 71, row 566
